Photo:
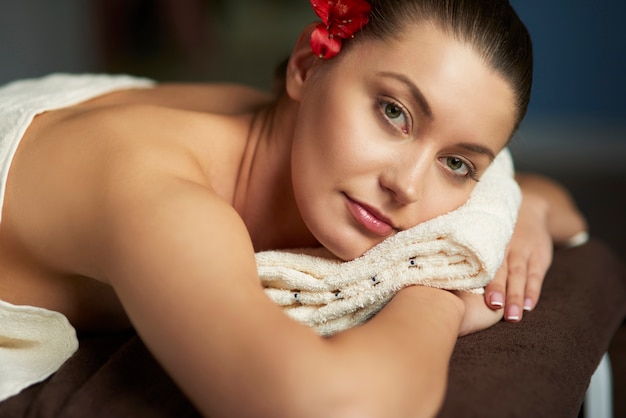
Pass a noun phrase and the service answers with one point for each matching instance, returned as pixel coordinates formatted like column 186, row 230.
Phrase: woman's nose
column 405, row 180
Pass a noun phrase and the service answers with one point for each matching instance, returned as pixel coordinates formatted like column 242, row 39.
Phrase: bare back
column 69, row 161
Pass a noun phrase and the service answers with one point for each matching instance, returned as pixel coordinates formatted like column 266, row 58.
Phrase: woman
column 156, row 199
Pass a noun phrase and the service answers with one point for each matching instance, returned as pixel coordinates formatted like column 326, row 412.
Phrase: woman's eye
column 396, row 115
column 457, row 165
column 393, row 111
column 460, row 168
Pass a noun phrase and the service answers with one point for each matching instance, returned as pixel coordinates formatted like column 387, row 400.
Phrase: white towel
column 35, row 342
column 461, row 250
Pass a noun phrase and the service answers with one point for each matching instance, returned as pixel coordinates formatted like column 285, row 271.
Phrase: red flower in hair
column 341, row 20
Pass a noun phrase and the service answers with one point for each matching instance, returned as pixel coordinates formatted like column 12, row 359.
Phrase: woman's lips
column 369, row 218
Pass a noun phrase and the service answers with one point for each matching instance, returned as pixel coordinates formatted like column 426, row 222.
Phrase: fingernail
column 496, row 299
column 528, row 304
column 513, row 313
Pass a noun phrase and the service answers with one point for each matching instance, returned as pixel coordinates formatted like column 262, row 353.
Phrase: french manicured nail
column 528, row 304
column 513, row 313
column 497, row 299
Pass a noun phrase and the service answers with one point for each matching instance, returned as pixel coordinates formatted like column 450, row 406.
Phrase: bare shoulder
column 89, row 165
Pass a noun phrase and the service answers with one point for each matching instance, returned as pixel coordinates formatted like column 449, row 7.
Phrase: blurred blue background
column 580, row 48
column 577, row 116
column 575, row 130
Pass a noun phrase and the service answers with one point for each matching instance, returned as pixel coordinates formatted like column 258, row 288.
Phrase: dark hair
column 491, row 27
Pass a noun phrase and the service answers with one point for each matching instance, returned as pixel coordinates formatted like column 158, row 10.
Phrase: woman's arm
column 183, row 266
column 547, row 216
column 139, row 214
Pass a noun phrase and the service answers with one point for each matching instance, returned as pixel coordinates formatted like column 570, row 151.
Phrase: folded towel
column 35, row 342
column 461, row 250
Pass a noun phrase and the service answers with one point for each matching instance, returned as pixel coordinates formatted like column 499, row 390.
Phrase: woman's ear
column 300, row 63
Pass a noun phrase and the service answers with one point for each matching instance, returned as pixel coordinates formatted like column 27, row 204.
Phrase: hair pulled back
column 491, row 28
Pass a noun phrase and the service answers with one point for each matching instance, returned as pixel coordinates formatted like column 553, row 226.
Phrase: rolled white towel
column 460, row 250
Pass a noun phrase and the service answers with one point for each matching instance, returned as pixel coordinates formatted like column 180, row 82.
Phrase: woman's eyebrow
column 415, row 92
column 423, row 103
column 479, row 149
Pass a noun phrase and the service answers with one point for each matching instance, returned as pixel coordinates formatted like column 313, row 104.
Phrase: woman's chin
column 348, row 251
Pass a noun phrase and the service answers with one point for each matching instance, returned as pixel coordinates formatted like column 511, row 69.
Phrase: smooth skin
column 145, row 207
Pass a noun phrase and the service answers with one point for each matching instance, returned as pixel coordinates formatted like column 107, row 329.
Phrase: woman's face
column 391, row 134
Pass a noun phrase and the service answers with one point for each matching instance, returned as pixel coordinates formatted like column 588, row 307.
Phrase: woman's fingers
column 515, row 286
column 495, row 291
column 538, row 266
column 508, row 288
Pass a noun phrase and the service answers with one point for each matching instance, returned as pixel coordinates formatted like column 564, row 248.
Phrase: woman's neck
column 264, row 193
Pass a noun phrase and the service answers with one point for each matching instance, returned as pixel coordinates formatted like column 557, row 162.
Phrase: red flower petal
column 323, row 44
column 348, row 17
column 322, row 9
column 343, row 18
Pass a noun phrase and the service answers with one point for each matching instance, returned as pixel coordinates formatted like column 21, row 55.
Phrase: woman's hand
column 547, row 216
column 517, row 284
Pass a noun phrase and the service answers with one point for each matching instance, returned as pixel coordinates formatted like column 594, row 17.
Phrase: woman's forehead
column 454, row 82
